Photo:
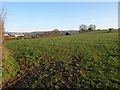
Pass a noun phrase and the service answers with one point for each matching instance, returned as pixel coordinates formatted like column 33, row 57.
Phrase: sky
column 47, row 16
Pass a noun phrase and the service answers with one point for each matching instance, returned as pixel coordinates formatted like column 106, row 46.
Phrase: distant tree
column 91, row 27
column 67, row 33
column 83, row 28
column 56, row 31
column 110, row 29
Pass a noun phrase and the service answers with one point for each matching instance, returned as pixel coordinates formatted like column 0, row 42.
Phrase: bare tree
column 2, row 22
column 91, row 27
column 2, row 30
column 83, row 28
column 1, row 40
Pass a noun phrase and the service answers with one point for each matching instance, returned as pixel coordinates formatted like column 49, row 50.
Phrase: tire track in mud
column 22, row 73
column 29, row 75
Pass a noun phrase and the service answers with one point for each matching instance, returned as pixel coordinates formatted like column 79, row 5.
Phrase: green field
column 85, row 60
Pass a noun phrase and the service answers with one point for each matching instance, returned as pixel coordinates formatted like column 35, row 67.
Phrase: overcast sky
column 39, row 16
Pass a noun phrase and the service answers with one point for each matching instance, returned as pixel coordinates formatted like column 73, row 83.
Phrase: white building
column 18, row 35
column 6, row 35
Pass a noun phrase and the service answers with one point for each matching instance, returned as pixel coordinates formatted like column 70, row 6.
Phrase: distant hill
column 70, row 31
column 62, row 31
column 10, row 32
column 44, row 32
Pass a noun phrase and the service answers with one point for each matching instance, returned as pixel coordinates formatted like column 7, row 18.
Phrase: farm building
column 6, row 35
column 18, row 35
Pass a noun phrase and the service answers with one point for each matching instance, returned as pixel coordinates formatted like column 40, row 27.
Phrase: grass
column 10, row 68
column 81, row 60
